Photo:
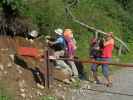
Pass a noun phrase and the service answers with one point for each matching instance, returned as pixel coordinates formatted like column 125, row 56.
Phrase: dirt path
column 122, row 88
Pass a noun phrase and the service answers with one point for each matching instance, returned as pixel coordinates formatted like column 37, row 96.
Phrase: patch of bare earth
column 21, row 79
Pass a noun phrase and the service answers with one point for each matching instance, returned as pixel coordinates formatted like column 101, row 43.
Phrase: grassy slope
column 107, row 15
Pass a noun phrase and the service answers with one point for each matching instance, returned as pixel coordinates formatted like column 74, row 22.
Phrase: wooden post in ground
column 47, row 69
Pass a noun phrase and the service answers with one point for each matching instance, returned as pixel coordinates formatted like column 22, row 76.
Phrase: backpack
column 94, row 52
column 60, row 46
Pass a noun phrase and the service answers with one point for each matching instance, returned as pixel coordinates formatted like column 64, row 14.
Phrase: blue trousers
column 105, row 67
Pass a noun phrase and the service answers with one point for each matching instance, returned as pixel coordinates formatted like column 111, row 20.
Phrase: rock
column 17, row 66
column 23, row 95
column 31, row 40
column 40, row 86
column 1, row 67
column 59, row 85
column 60, row 75
column 19, row 71
column 39, row 93
column 65, row 88
column 22, row 90
column 12, row 57
column 67, row 81
column 31, row 96
column 60, row 95
column 9, row 65
column 21, row 83
column 5, row 72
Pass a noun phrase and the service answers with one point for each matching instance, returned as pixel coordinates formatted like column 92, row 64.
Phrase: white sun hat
column 33, row 33
column 58, row 31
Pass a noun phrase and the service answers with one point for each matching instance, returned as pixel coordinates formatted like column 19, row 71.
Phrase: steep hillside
column 20, row 75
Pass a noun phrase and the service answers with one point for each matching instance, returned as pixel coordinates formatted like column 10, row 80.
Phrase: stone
column 5, row 72
column 23, row 95
column 12, row 57
column 39, row 93
column 60, row 75
column 19, row 71
column 31, row 40
column 66, row 81
column 1, row 67
column 40, row 86
column 59, row 85
column 31, row 96
column 65, row 88
column 9, row 65
column 22, row 90
column 18, row 67
column 21, row 83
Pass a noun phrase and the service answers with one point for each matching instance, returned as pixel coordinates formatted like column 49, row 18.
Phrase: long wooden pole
column 96, row 62
column 94, row 29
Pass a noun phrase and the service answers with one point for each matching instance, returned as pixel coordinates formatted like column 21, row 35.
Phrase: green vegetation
column 49, row 98
column 107, row 15
column 4, row 94
column 12, row 7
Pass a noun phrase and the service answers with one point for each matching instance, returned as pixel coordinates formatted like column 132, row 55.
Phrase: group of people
column 65, row 46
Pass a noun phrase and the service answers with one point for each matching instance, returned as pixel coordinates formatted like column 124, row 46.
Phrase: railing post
column 47, row 68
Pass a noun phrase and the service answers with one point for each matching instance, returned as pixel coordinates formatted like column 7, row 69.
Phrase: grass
column 4, row 95
column 48, row 98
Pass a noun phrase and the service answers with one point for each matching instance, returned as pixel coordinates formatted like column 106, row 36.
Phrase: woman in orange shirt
column 106, row 56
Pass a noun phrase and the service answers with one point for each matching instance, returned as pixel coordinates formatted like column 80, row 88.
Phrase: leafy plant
column 12, row 7
column 49, row 98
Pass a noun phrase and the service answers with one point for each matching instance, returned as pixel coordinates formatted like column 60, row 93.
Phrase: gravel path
column 122, row 89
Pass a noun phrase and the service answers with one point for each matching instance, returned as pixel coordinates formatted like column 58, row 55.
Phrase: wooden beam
column 88, row 61
column 94, row 29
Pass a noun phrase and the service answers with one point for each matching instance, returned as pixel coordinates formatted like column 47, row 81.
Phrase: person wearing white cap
column 59, row 31
column 33, row 33
column 59, row 46
column 59, row 43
